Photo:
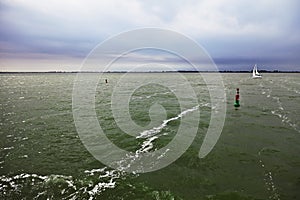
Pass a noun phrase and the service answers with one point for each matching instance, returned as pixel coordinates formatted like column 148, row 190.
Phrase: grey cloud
column 266, row 32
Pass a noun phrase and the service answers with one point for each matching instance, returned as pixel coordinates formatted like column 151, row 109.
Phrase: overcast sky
column 58, row 35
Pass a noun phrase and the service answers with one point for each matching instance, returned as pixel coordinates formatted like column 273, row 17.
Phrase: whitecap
column 7, row 148
column 155, row 130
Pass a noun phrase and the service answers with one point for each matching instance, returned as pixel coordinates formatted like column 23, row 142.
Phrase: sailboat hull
column 256, row 77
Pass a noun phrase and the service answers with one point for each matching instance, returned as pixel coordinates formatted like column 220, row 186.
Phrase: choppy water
column 256, row 157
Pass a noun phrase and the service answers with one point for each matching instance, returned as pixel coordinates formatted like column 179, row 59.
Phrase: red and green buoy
column 237, row 98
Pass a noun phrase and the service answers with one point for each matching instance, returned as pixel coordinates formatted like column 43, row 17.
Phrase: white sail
column 255, row 73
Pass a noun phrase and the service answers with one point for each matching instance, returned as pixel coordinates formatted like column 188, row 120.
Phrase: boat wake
column 147, row 145
column 280, row 112
column 93, row 183
column 157, row 129
column 269, row 179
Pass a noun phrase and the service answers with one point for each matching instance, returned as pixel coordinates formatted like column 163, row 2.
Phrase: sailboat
column 255, row 73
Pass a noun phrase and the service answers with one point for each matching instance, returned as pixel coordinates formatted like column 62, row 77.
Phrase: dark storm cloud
column 237, row 33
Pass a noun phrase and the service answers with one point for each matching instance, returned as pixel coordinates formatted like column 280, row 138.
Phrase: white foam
column 13, row 182
column 107, row 177
column 155, row 130
column 288, row 88
column 281, row 112
column 7, row 148
column 285, row 119
column 150, row 135
column 149, row 96
column 104, row 174
column 269, row 180
column 92, row 171
column 147, row 145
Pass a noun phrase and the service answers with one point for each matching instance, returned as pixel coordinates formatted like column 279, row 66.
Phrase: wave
column 155, row 130
column 285, row 119
column 269, row 179
column 96, row 180
column 150, row 135
column 280, row 111
column 150, row 96
column 283, row 84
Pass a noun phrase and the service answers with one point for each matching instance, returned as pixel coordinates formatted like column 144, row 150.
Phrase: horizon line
column 176, row 71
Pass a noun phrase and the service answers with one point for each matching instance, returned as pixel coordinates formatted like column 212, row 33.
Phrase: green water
column 256, row 157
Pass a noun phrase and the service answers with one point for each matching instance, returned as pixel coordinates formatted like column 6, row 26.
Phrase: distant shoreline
column 114, row 72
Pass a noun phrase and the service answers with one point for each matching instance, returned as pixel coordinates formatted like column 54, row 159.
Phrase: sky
column 58, row 35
